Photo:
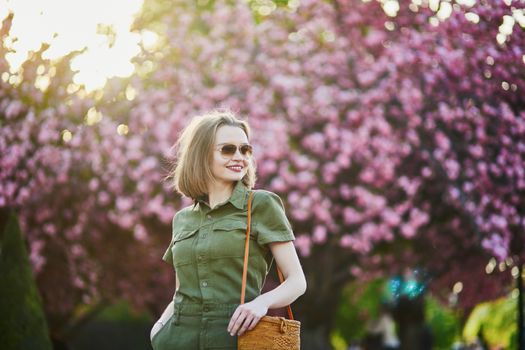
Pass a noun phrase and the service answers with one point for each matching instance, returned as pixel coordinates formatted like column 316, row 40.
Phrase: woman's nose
column 237, row 155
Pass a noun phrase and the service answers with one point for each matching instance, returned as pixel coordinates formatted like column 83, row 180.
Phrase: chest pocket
column 182, row 246
column 228, row 238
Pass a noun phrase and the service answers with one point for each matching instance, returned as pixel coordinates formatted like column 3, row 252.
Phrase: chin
column 233, row 177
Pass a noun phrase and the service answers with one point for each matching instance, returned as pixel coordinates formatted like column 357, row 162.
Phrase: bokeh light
column 100, row 29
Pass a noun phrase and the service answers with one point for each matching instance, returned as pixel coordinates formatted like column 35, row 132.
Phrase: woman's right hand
column 165, row 317
column 155, row 329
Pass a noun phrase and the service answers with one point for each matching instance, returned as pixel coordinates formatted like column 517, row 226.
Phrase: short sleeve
column 269, row 218
column 168, row 255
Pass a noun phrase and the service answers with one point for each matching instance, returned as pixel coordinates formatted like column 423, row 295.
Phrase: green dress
column 206, row 250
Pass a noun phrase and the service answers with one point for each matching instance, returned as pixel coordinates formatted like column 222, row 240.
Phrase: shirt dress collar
column 238, row 198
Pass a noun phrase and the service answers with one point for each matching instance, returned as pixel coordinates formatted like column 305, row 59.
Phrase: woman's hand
column 246, row 316
column 155, row 329
column 165, row 317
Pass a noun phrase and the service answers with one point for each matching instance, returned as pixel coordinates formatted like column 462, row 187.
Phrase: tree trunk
column 4, row 217
column 317, row 308
column 414, row 333
column 315, row 338
column 317, row 317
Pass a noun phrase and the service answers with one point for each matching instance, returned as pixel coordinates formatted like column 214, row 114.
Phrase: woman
column 215, row 168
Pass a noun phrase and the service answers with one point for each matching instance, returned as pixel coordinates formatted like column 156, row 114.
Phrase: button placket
column 176, row 316
column 203, row 333
column 202, row 265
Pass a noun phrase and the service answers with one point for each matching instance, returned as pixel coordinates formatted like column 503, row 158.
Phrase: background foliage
column 392, row 130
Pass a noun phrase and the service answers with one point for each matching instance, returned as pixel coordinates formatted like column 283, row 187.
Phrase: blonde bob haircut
column 192, row 169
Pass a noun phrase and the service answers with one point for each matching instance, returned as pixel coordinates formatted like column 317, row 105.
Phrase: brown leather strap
column 246, row 254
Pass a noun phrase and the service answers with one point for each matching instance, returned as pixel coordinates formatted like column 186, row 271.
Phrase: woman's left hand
column 246, row 317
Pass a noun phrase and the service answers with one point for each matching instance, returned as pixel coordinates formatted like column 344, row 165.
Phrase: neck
column 219, row 193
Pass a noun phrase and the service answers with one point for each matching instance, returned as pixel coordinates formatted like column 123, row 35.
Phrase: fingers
column 238, row 323
column 233, row 321
column 241, row 321
column 254, row 323
column 155, row 329
column 247, row 322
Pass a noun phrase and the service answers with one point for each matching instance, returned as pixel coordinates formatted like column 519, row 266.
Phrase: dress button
column 200, row 257
column 204, row 284
column 203, row 236
column 206, row 309
column 209, row 217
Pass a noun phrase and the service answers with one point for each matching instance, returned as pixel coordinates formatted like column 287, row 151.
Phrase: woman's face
column 229, row 168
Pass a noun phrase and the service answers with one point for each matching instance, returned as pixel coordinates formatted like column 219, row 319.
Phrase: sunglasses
column 228, row 150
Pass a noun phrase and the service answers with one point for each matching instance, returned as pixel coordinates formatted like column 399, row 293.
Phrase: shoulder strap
column 246, row 254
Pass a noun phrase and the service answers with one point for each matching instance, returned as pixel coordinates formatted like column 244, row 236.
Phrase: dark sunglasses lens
column 246, row 150
column 228, row 150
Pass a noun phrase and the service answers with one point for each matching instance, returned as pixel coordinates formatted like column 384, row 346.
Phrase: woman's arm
column 166, row 315
column 247, row 316
column 294, row 284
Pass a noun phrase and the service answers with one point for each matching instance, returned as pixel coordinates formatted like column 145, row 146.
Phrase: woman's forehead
column 230, row 134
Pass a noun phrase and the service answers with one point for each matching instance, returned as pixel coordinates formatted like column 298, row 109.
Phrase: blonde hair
column 192, row 168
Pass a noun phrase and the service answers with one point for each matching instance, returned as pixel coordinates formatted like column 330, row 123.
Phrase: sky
column 69, row 25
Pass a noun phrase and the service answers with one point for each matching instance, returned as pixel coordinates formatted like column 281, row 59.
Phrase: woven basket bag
column 270, row 333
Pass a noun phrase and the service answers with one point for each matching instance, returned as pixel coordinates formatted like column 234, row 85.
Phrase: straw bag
column 270, row 333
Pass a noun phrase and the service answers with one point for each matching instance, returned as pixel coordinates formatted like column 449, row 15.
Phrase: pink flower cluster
column 372, row 129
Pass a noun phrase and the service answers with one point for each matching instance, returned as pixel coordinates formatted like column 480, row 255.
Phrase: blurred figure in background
column 409, row 313
column 382, row 331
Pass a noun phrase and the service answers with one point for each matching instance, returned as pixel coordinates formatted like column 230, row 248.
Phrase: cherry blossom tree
column 393, row 131
column 62, row 172
column 354, row 92
column 467, row 134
